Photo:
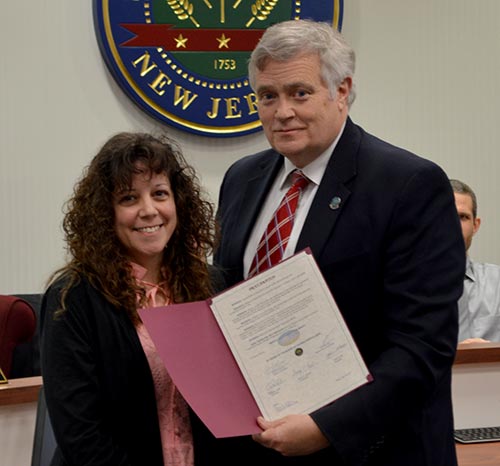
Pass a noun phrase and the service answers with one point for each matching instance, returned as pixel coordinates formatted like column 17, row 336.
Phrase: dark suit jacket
column 393, row 257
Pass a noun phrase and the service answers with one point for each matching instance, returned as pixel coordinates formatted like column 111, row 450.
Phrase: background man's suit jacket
column 393, row 257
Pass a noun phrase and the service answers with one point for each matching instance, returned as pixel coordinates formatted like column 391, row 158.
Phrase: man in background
column 479, row 306
column 382, row 226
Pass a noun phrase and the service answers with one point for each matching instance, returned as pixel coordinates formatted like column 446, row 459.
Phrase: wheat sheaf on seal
column 261, row 9
column 184, row 62
column 183, row 10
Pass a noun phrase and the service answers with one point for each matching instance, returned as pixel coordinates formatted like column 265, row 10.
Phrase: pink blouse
column 173, row 413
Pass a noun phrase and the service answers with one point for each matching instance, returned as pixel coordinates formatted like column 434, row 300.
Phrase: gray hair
column 289, row 39
column 461, row 188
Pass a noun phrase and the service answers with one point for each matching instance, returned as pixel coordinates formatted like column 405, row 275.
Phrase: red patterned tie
column 274, row 240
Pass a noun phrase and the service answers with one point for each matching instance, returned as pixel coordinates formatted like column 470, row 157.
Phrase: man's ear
column 343, row 91
column 476, row 225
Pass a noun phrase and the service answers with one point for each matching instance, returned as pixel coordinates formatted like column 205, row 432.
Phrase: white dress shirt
column 479, row 306
column 314, row 172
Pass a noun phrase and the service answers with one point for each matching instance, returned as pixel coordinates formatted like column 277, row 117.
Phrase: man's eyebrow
column 287, row 87
column 265, row 87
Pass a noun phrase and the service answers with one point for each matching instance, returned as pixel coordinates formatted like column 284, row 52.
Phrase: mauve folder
column 198, row 359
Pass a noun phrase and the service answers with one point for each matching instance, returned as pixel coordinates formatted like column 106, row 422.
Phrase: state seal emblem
column 184, row 62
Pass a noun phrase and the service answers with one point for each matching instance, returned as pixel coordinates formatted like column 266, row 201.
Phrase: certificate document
column 289, row 338
column 273, row 345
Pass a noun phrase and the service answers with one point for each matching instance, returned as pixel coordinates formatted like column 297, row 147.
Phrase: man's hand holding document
column 273, row 345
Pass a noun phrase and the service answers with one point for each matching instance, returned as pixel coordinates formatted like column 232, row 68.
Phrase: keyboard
column 478, row 434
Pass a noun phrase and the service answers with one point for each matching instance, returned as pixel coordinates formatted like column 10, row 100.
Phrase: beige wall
column 425, row 76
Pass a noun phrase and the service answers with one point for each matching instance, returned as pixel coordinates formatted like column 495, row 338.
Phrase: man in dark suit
column 382, row 226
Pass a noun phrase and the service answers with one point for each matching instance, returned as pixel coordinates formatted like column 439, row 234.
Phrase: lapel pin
column 335, row 203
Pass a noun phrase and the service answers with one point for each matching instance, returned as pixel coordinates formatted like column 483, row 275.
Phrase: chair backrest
column 44, row 442
column 26, row 357
column 17, row 325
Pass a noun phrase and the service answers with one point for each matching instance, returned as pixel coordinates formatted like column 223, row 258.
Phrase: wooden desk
column 478, row 454
column 17, row 391
column 485, row 356
column 475, row 385
column 473, row 353
column 18, row 404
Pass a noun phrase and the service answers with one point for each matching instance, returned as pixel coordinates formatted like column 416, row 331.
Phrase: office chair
column 44, row 442
column 17, row 325
column 26, row 357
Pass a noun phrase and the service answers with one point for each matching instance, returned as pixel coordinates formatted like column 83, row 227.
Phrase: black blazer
column 98, row 385
column 393, row 256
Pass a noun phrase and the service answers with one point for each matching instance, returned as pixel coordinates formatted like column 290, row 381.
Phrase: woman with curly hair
column 138, row 233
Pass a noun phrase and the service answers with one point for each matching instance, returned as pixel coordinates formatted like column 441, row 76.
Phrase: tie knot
column 299, row 180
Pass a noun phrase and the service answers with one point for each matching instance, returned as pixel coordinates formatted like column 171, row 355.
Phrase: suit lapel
column 332, row 194
column 254, row 195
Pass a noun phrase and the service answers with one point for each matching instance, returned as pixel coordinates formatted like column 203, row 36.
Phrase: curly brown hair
column 95, row 250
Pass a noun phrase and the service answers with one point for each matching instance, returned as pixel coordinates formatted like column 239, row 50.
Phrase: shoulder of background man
column 485, row 270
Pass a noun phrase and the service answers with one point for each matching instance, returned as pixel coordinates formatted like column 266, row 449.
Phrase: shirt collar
column 469, row 269
column 151, row 289
column 138, row 271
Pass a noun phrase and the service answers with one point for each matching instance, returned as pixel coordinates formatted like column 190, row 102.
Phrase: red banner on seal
column 192, row 40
